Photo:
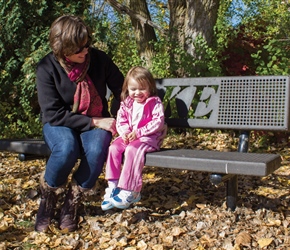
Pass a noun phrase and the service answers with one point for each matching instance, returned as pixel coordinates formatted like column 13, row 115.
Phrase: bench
column 244, row 104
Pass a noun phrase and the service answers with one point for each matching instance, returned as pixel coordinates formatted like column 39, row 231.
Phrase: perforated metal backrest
column 250, row 103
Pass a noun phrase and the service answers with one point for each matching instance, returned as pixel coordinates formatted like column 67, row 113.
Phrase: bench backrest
column 243, row 103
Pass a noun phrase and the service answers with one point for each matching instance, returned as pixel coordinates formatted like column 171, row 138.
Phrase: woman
column 72, row 82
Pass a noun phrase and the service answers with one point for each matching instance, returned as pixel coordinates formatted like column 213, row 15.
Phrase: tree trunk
column 177, row 25
column 143, row 26
column 144, row 33
column 201, row 19
column 188, row 20
column 177, row 21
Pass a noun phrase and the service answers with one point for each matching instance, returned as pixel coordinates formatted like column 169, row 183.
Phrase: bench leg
column 232, row 180
column 244, row 142
column 232, row 183
column 232, row 192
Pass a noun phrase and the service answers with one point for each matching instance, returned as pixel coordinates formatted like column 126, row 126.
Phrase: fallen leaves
column 178, row 209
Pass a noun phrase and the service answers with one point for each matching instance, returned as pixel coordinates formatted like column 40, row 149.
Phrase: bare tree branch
column 124, row 9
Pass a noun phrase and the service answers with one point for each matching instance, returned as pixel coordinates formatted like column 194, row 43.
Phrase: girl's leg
column 65, row 150
column 114, row 160
column 131, row 175
column 95, row 145
column 113, row 171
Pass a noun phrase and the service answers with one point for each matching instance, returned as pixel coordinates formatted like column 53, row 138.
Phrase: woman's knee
column 96, row 142
column 62, row 141
column 67, row 147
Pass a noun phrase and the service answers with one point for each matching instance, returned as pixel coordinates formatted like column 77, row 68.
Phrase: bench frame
column 244, row 104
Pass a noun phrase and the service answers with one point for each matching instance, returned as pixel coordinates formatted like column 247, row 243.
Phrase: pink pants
column 130, row 175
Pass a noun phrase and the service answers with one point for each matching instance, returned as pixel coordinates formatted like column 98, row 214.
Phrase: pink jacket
column 151, row 123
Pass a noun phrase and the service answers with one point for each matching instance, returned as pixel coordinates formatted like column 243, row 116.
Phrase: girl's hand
column 132, row 136
column 125, row 139
column 106, row 123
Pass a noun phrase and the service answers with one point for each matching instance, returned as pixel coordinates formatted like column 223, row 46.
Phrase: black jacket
column 56, row 91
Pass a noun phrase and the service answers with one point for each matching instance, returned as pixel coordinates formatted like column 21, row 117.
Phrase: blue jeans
column 67, row 145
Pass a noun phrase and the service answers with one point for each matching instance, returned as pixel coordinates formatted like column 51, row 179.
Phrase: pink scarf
column 86, row 98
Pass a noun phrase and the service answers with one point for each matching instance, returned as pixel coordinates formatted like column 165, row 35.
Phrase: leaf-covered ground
column 178, row 209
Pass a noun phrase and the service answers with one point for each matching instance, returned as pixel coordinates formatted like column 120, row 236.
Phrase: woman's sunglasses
column 86, row 46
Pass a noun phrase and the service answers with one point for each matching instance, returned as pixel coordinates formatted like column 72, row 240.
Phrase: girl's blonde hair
column 143, row 76
column 67, row 35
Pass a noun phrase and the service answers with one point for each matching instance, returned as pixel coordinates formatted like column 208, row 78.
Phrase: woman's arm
column 106, row 123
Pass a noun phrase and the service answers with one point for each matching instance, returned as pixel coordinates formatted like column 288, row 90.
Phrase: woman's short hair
column 68, row 34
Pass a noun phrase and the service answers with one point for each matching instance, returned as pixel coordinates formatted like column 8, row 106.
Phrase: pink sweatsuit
column 148, row 131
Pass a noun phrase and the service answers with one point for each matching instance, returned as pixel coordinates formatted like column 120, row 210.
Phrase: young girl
column 140, row 120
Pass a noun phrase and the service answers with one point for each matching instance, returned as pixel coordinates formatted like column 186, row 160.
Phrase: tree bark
column 178, row 11
column 191, row 18
column 188, row 20
column 125, row 10
column 143, row 26
column 144, row 33
column 202, row 16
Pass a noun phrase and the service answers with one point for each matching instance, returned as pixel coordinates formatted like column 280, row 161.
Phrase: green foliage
column 269, row 22
column 117, row 39
column 24, row 30
column 206, row 59
column 259, row 44
column 273, row 58
column 160, row 63
column 260, row 40
column 204, row 63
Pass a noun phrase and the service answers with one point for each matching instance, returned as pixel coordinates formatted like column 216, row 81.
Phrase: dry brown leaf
column 176, row 231
column 157, row 247
column 274, row 222
column 236, row 247
column 144, row 230
column 122, row 242
column 3, row 226
column 149, row 175
column 243, row 238
column 207, row 240
column 264, row 242
column 201, row 206
column 141, row 245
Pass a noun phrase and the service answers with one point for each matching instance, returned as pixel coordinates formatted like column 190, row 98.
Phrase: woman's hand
column 106, row 123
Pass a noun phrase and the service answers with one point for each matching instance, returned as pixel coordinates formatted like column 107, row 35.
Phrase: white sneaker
column 125, row 198
column 109, row 194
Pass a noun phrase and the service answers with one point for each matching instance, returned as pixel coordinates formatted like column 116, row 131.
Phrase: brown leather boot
column 68, row 215
column 46, row 210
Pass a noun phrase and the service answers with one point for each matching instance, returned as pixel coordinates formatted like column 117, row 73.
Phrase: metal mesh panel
column 253, row 102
